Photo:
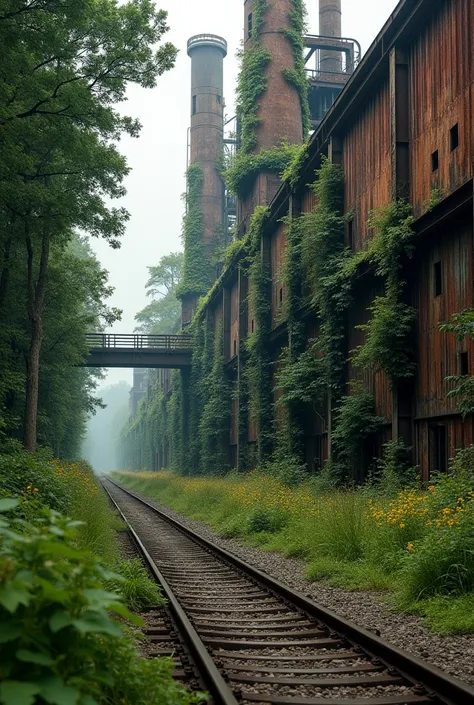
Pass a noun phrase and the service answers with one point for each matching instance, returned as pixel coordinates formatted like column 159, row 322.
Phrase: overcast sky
column 158, row 157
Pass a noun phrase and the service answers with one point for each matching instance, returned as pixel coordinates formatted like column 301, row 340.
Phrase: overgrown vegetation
column 252, row 84
column 415, row 543
column 60, row 83
column 61, row 642
column 61, row 583
column 197, row 275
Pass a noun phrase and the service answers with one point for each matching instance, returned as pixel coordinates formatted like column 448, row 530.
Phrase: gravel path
column 453, row 654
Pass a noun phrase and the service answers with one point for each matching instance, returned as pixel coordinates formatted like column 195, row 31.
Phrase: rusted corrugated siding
column 234, row 417
column 375, row 382
column 367, row 172
column 441, row 76
column 308, row 200
column 438, row 353
column 234, row 320
column 459, row 435
column 277, row 258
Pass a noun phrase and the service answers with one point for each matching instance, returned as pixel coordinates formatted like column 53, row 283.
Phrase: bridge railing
column 170, row 343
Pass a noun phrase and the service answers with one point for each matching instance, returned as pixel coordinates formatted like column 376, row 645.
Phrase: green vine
column 356, row 421
column 241, row 174
column 197, row 272
column 296, row 76
column 387, row 346
column 252, row 81
column 258, row 361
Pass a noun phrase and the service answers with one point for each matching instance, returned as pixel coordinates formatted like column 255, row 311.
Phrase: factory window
column 435, row 161
column 464, row 363
column 454, row 137
column 194, row 104
column 350, row 234
column 439, row 446
column 219, row 100
column 438, row 279
column 250, row 25
column 280, row 298
column 235, row 348
column 253, row 326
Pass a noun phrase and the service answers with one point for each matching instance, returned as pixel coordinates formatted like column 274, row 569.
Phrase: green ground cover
column 416, row 544
column 62, row 587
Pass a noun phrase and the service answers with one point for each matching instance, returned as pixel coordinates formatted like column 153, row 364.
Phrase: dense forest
column 64, row 69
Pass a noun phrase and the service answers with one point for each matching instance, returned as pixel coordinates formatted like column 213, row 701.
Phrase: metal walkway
column 147, row 351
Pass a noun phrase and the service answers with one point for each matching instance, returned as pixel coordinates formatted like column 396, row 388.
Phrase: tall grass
column 420, row 543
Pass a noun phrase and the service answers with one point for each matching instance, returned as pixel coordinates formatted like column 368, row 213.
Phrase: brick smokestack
column 280, row 108
column 279, row 112
column 330, row 26
column 207, row 52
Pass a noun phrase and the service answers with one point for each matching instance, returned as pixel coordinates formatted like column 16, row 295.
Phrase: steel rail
column 213, row 680
column 424, row 676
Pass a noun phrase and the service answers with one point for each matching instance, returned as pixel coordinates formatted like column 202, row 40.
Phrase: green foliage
column 462, row 326
column 65, row 68
column 388, row 333
column 269, row 520
column 75, row 301
column 241, row 173
column 61, row 642
column 252, row 81
column 134, row 584
column 356, row 420
column 215, row 419
column 197, row 270
column 394, row 469
column 292, row 174
column 257, row 369
column 297, row 75
column 163, row 314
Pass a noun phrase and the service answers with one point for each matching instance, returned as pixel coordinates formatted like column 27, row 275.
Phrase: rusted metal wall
column 438, row 354
column 234, row 320
column 366, row 161
column 234, row 417
column 441, row 76
column 375, row 381
column 308, row 200
column 277, row 258
column 459, row 435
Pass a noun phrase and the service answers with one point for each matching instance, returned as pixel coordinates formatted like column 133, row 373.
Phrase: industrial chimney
column 330, row 26
column 207, row 52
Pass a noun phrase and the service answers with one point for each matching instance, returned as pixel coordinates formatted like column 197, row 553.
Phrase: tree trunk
column 36, row 296
column 5, row 270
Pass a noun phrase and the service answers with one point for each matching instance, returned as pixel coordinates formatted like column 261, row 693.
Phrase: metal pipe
column 330, row 25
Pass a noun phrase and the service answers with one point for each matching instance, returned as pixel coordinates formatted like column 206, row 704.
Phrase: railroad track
column 254, row 640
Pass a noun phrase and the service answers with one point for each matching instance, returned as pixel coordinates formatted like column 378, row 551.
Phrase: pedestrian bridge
column 148, row 351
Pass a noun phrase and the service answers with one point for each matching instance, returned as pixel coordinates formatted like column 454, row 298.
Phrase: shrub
column 60, row 643
column 33, row 479
column 441, row 563
column 270, row 520
column 135, row 585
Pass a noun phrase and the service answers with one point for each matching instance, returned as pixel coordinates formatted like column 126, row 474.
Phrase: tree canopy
column 64, row 68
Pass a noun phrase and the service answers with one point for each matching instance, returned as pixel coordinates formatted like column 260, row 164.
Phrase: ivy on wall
column 387, row 346
column 197, row 271
column 296, row 75
column 258, row 369
column 252, row 84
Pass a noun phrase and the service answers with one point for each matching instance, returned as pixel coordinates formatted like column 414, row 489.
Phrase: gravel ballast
column 452, row 654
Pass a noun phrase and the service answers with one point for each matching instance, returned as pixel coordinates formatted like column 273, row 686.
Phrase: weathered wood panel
column 438, row 354
column 441, row 76
column 234, row 320
column 366, row 161
column 277, row 262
